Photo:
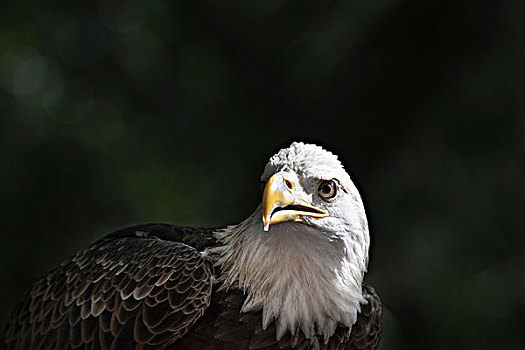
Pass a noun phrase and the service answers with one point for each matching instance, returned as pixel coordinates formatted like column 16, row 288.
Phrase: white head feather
column 305, row 275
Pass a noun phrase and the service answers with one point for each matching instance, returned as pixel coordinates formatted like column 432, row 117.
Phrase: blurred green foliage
column 122, row 112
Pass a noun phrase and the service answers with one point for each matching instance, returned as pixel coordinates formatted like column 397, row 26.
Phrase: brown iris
column 327, row 189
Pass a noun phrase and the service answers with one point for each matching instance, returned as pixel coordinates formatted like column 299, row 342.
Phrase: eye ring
column 327, row 189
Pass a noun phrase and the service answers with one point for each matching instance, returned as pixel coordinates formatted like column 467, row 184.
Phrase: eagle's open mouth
column 298, row 209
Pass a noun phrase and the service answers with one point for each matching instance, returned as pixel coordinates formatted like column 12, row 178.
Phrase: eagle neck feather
column 294, row 274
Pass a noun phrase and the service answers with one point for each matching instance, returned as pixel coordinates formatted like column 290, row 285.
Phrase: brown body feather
column 149, row 287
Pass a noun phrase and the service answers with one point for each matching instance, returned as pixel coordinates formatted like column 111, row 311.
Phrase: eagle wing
column 141, row 287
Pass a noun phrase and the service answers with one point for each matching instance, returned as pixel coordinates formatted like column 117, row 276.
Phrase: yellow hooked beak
column 280, row 202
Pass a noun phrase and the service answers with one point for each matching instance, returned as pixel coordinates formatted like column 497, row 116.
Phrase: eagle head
column 301, row 256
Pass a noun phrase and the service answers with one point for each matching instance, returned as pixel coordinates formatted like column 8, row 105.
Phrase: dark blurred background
column 121, row 112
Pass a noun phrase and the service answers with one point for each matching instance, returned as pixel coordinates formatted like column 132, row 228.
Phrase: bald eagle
column 289, row 276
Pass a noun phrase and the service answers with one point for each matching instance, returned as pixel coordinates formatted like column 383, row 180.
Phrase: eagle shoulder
column 366, row 332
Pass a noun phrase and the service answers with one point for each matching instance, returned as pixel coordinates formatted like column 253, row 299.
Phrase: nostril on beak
column 288, row 184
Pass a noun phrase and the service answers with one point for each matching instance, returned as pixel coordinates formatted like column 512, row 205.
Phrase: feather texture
column 140, row 287
column 172, row 303
column 224, row 327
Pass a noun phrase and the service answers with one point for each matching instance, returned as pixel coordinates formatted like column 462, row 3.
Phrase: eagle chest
column 224, row 327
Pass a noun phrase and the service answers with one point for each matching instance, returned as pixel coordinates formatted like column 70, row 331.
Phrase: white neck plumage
column 302, row 278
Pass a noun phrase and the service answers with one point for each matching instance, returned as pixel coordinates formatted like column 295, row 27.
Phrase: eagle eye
column 327, row 189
